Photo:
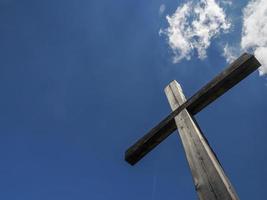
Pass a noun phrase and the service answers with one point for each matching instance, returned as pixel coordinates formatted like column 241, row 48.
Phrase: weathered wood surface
column 209, row 178
column 236, row 72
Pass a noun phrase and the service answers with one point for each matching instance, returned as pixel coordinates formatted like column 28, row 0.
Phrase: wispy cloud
column 230, row 53
column 162, row 9
column 227, row 2
column 193, row 26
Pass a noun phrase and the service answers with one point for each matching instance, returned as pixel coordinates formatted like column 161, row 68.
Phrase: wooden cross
column 209, row 178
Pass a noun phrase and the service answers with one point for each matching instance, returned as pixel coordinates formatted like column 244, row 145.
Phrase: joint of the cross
column 237, row 71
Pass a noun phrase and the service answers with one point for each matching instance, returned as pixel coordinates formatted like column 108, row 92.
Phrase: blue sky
column 80, row 81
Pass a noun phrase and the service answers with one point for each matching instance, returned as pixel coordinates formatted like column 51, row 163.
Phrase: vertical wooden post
column 209, row 178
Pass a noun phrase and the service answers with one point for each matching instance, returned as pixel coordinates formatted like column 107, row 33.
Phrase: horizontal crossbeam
column 237, row 71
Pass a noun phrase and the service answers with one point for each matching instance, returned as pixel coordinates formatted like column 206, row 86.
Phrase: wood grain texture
column 236, row 72
column 209, row 178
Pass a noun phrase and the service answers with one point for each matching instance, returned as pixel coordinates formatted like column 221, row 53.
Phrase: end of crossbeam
column 149, row 141
column 129, row 159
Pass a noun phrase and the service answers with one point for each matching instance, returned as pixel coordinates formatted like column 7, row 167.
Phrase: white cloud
column 254, row 33
column 261, row 53
column 193, row 26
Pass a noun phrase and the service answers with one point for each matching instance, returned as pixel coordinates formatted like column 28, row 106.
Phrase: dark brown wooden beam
column 237, row 71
